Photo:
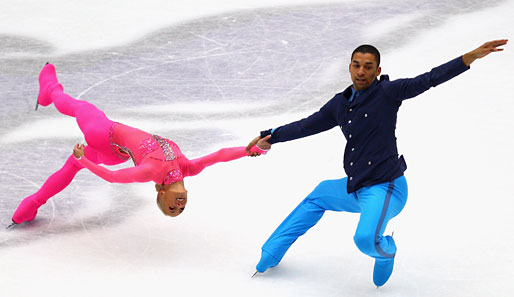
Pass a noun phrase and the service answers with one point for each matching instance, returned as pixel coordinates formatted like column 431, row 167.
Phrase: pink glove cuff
column 257, row 149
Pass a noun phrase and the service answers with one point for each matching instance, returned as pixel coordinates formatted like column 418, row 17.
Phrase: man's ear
column 158, row 187
column 379, row 70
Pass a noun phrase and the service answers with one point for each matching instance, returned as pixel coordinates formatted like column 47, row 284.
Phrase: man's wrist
column 468, row 58
column 266, row 133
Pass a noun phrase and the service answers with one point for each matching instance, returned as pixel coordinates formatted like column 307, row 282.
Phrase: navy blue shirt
column 368, row 123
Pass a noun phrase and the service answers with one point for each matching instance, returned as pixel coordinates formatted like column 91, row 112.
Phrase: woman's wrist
column 257, row 149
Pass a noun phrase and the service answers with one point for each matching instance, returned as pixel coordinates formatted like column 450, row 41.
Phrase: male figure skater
column 375, row 186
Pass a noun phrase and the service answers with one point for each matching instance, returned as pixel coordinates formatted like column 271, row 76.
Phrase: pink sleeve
column 140, row 173
column 195, row 166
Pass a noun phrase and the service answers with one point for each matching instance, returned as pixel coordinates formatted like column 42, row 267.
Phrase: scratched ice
column 217, row 81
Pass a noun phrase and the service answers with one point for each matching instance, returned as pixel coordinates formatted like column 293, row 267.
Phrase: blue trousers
column 376, row 204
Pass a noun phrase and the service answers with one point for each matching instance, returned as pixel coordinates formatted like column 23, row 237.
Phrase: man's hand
column 262, row 143
column 78, row 151
column 483, row 50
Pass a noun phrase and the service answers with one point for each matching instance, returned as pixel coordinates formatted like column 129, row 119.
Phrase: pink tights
column 94, row 125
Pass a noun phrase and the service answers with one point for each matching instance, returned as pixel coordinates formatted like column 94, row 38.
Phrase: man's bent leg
column 328, row 195
column 379, row 204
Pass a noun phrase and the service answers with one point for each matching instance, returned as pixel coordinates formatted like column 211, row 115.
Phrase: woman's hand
column 258, row 146
column 78, row 151
column 252, row 143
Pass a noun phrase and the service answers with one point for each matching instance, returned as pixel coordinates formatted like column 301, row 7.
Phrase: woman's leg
column 92, row 121
column 27, row 210
column 94, row 125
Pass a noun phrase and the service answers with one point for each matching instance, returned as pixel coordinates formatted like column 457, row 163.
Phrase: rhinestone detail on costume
column 151, row 144
column 173, row 176
column 126, row 149
column 168, row 152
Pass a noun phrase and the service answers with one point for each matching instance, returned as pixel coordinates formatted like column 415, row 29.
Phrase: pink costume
column 157, row 159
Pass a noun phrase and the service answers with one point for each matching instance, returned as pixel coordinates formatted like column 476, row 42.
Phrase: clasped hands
column 262, row 143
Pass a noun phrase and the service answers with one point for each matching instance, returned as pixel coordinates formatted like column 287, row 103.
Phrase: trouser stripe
column 381, row 221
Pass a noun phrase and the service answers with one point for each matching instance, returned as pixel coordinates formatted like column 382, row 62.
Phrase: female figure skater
column 156, row 159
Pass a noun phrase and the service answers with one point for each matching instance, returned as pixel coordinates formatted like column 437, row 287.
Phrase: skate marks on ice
column 195, row 82
column 87, row 203
column 276, row 55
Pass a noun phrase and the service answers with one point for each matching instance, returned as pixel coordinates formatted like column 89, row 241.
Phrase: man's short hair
column 368, row 49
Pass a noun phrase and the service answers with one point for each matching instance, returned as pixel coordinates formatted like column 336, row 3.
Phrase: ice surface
column 215, row 81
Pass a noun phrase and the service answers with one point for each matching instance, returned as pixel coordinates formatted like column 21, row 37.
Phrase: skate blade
column 12, row 225
column 254, row 274
column 37, row 103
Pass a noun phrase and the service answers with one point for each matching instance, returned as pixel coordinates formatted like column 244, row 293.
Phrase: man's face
column 363, row 70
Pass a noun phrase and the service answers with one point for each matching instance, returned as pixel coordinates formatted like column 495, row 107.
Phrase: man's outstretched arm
column 483, row 50
column 317, row 122
column 401, row 89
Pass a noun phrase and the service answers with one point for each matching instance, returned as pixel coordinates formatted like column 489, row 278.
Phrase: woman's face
column 172, row 198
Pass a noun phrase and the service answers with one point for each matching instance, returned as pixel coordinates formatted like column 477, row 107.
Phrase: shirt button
column 350, row 121
column 365, row 115
column 353, row 149
column 369, row 163
column 351, row 177
column 350, row 110
column 351, row 163
column 350, row 136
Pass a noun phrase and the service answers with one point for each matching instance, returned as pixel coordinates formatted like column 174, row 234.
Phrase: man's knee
column 365, row 242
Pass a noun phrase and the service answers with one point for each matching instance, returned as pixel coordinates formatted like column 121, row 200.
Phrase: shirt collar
column 350, row 93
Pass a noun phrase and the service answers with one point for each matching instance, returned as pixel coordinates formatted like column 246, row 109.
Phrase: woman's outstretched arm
column 195, row 166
